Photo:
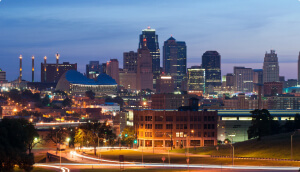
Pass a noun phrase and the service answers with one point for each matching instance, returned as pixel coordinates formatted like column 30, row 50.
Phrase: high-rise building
column 112, row 69
column 196, row 80
column 271, row 67
column 2, row 76
column 144, row 68
column 243, row 79
column 130, row 61
column 153, row 46
column 229, row 80
column 174, row 60
column 93, row 69
column 50, row 74
column 211, row 62
column 290, row 83
column 258, row 76
column 299, row 69
column 165, row 84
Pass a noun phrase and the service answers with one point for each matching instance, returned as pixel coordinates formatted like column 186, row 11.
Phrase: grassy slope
column 276, row 146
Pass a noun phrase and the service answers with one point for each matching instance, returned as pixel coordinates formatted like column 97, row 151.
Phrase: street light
column 232, row 148
column 292, row 143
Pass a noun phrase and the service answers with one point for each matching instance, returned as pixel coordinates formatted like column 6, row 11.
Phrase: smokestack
column 45, row 69
column 57, row 70
column 32, row 68
column 20, row 77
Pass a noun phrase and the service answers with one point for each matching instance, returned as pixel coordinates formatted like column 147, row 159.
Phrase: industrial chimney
column 32, row 68
column 57, row 70
column 20, row 77
column 45, row 68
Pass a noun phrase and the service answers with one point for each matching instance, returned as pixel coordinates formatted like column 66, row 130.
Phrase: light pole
column 292, row 143
column 232, row 148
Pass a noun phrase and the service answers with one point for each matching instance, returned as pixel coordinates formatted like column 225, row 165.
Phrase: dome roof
column 104, row 79
column 76, row 77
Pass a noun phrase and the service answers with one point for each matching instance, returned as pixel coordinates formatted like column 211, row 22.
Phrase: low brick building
column 160, row 128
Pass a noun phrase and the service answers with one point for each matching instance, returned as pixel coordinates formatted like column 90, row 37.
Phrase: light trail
column 186, row 166
column 63, row 169
column 139, row 164
column 91, row 148
column 96, row 159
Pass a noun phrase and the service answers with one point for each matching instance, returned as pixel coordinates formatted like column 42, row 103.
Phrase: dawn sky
column 240, row 30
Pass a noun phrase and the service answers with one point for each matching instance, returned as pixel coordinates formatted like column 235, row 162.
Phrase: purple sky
column 81, row 31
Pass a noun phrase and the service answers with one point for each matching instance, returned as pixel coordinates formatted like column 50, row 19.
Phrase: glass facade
column 174, row 60
column 211, row 62
column 153, row 46
column 196, row 79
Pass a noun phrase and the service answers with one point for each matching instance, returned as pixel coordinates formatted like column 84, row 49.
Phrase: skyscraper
column 112, row 69
column 93, row 69
column 196, row 80
column 152, row 45
column 130, row 61
column 174, row 60
column 211, row 62
column 271, row 67
column 258, row 76
column 243, row 79
column 144, row 76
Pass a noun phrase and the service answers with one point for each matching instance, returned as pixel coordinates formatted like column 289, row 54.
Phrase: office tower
column 93, row 69
column 174, row 60
column 112, row 69
column 299, row 69
column 229, row 80
column 271, row 67
column 258, row 76
column 144, row 68
column 243, row 79
column 32, row 69
column 152, row 45
column 165, row 84
column 51, row 73
column 2, row 76
column 273, row 88
column 196, row 80
column 290, row 83
column 130, row 61
column 211, row 62
column 103, row 68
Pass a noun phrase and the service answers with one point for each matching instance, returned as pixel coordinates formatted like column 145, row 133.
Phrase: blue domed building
column 73, row 82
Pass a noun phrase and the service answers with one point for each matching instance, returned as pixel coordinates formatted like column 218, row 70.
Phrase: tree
column 90, row 94
column 92, row 131
column 13, row 144
column 67, row 102
column 14, row 95
column 128, row 136
column 46, row 100
column 117, row 99
column 262, row 124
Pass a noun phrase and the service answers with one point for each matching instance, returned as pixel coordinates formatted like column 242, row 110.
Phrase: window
column 209, row 118
column 199, row 134
column 159, row 134
column 199, row 126
column 185, row 118
column 205, row 118
column 141, row 134
column 208, row 126
column 212, row 126
column 169, row 126
column 181, row 126
column 141, row 118
column 212, row 118
column 158, row 126
column 185, row 126
column 212, row 134
column 142, row 126
column 148, row 126
column 205, row 126
column 159, row 118
column 148, row 134
column 177, row 126
column 179, row 134
column 191, row 126
column 191, row 118
column 148, row 118
column 169, row 118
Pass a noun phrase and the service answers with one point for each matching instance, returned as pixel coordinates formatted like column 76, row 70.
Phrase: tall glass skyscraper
column 271, row 67
column 174, row 60
column 211, row 62
column 152, row 45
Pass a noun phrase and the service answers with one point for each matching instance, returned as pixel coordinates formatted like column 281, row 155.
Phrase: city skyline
column 33, row 29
